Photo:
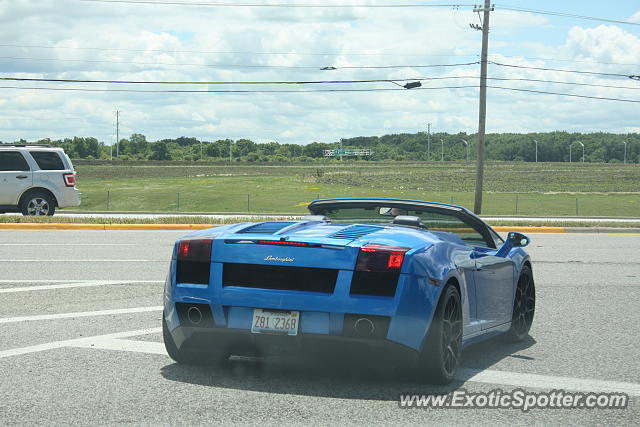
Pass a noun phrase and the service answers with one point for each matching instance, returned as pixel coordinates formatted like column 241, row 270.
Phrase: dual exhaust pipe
column 363, row 327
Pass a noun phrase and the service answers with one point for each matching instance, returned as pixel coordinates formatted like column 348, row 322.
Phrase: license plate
column 275, row 322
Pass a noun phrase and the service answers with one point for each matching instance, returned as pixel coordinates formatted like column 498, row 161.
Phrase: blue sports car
column 410, row 281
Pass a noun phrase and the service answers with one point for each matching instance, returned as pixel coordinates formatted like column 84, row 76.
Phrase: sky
column 206, row 43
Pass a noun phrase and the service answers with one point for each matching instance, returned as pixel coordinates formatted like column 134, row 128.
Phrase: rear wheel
column 524, row 307
column 37, row 204
column 190, row 356
column 441, row 352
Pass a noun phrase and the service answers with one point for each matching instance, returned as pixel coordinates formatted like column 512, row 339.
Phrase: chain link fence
column 507, row 204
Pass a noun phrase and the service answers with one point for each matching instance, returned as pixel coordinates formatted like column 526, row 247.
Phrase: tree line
column 545, row 147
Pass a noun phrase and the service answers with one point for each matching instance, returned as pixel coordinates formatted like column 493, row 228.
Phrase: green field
column 547, row 189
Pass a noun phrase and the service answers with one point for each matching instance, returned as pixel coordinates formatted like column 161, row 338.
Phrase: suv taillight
column 69, row 179
column 380, row 258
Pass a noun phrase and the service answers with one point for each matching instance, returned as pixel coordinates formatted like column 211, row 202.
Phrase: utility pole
column 625, row 151
column 230, row 154
column 442, row 150
column 482, row 114
column 536, row 150
column 428, row 141
column 117, row 133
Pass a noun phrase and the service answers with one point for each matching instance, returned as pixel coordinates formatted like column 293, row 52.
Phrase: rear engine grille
column 196, row 272
column 355, row 232
column 267, row 227
column 279, row 277
column 376, row 283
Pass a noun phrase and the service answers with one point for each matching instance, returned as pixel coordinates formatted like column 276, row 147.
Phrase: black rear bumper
column 242, row 342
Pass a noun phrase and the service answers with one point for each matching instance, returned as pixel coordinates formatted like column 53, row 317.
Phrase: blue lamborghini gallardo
column 409, row 281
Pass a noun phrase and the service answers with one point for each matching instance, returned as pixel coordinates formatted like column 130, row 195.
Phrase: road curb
column 105, row 227
column 529, row 229
column 603, row 230
column 191, row 227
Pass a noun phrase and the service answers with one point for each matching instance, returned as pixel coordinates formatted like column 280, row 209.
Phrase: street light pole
column 467, row 145
column 428, row 141
column 200, row 150
column 117, row 133
column 570, row 151
column 625, row 151
column 582, row 150
column 442, row 151
column 536, row 150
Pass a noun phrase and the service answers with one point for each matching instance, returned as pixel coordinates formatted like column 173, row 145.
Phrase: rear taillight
column 69, row 179
column 194, row 261
column 195, row 250
column 380, row 258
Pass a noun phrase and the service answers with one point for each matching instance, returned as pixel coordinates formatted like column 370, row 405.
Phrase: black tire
column 189, row 356
column 37, row 203
column 524, row 307
column 441, row 352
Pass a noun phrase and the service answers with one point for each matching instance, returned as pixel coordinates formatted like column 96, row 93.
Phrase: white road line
column 80, row 314
column 132, row 346
column 71, row 244
column 84, row 260
column 517, row 379
column 75, row 342
column 74, row 285
column 9, row 281
column 116, row 342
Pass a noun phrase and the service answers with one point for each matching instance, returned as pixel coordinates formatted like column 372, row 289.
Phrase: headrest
column 412, row 221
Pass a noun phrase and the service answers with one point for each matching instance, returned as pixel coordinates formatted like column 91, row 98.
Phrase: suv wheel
column 37, row 204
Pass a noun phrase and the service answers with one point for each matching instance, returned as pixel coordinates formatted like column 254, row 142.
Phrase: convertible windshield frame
column 321, row 207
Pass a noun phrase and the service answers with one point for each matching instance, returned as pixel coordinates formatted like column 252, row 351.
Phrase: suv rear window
column 48, row 160
column 13, row 161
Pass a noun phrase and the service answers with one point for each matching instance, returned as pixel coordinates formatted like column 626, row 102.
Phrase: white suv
column 36, row 179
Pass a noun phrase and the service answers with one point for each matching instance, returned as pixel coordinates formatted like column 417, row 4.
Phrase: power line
column 565, row 94
column 225, row 52
column 565, row 60
column 560, row 70
column 388, row 5
column 316, row 67
column 564, row 14
column 278, row 5
column 231, row 90
column 310, row 82
column 272, row 82
column 564, row 83
column 342, row 54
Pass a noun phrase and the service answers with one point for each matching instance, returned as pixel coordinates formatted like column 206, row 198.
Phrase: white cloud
column 173, row 43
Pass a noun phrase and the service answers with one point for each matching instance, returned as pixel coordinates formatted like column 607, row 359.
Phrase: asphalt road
column 80, row 344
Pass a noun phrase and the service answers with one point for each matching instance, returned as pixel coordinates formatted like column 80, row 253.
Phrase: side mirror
column 514, row 240
column 518, row 239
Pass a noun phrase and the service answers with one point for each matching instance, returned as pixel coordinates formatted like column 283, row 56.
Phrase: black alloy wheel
column 524, row 307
